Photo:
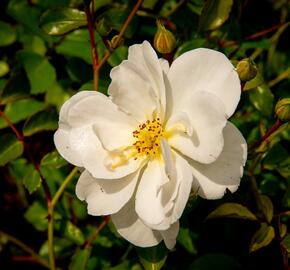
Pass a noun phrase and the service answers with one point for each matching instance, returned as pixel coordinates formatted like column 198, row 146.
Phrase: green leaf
column 80, row 259
column 59, row 21
column 73, row 233
column 214, row 14
column 263, row 237
column 153, row 258
column 150, row 4
column 53, row 160
column 61, row 247
column 16, row 88
column 40, row 122
column 115, row 18
column 286, row 243
column 32, row 181
column 76, row 44
column 232, row 210
column 252, row 84
column 7, row 34
column 118, row 56
column 184, row 238
column 267, row 207
column 189, row 45
column 4, row 68
column 10, row 148
column 37, row 216
column 40, row 72
column 216, row 261
column 56, row 96
column 78, row 70
column 262, row 99
column 20, row 110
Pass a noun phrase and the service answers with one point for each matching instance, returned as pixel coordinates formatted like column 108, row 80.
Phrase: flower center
column 148, row 138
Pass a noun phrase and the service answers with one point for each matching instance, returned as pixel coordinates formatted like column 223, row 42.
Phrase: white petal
column 105, row 197
column 149, row 197
column 164, row 65
column 133, row 229
column 131, row 92
column 207, row 118
column 64, row 147
column 148, row 66
column 184, row 176
column 113, row 127
column 70, row 102
column 212, row 180
column 169, row 236
column 205, row 70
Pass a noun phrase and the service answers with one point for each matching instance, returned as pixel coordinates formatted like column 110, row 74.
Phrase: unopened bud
column 164, row 40
column 282, row 109
column 247, row 69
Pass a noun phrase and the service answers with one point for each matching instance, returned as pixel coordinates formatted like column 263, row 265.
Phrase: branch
column 120, row 36
column 25, row 248
column 274, row 128
column 6, row 119
column 90, row 21
column 51, row 205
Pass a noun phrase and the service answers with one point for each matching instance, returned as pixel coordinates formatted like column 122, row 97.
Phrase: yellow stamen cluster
column 148, row 138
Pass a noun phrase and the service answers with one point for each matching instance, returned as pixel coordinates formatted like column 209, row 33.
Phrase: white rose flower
column 161, row 132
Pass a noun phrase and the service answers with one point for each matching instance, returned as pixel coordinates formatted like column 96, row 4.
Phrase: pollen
column 148, row 138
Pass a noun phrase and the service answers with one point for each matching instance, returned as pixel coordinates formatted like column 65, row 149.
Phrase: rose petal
column 148, row 66
column 206, row 114
column 169, row 236
column 113, row 126
column 205, row 70
column 148, row 197
column 212, row 180
column 133, row 229
column 105, row 197
column 131, row 92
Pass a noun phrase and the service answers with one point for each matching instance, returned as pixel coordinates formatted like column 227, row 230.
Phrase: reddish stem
column 90, row 22
column 274, row 128
column 6, row 119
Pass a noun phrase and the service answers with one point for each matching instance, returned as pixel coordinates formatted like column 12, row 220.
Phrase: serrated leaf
column 59, row 21
column 80, row 259
column 262, row 99
column 40, row 72
column 262, row 237
column 73, row 233
column 10, row 148
column 184, row 238
column 36, row 214
column 16, row 88
column 232, row 210
column 267, row 207
column 40, row 122
column 61, row 246
column 153, row 258
column 53, row 159
column 7, row 34
column 214, row 14
column 32, row 181
column 21, row 110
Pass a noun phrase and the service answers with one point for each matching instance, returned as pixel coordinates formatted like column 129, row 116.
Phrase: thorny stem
column 51, row 206
column 90, row 21
column 6, row 119
column 25, row 248
column 88, row 243
column 120, row 36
